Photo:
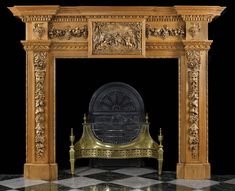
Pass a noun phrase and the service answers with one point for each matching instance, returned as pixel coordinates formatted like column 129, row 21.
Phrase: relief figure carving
column 116, row 38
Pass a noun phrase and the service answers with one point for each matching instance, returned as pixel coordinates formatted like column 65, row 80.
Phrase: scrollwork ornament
column 193, row 61
column 39, row 61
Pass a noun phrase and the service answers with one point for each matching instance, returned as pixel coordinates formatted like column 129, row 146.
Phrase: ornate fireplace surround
column 117, row 32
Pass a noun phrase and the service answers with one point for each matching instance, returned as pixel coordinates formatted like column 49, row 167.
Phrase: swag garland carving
column 164, row 32
column 117, row 37
column 39, row 61
column 68, row 33
column 193, row 61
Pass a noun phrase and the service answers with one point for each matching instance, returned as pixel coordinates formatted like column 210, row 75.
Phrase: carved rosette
column 39, row 61
column 68, row 33
column 165, row 32
column 193, row 62
column 117, row 38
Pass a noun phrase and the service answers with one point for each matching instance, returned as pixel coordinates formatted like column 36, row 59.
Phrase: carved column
column 193, row 144
column 40, row 138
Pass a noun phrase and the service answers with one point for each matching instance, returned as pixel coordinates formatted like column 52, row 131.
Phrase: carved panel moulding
column 165, row 31
column 193, row 61
column 69, row 46
column 68, row 33
column 164, row 46
column 116, row 38
column 36, row 45
column 198, row 45
column 39, row 61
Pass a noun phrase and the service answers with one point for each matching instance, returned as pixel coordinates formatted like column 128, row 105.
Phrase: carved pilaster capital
column 197, row 45
column 36, row 45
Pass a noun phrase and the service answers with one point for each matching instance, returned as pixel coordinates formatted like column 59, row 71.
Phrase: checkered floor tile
column 122, row 179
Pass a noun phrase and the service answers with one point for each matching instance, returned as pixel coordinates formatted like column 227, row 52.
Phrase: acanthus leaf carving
column 39, row 61
column 193, row 62
column 165, row 32
column 68, row 32
column 117, row 37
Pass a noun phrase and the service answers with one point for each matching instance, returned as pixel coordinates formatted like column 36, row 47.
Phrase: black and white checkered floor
column 119, row 179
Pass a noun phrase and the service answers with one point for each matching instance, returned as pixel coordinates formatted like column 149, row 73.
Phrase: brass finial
column 71, row 131
column 72, row 137
column 84, row 118
column 160, row 137
column 146, row 118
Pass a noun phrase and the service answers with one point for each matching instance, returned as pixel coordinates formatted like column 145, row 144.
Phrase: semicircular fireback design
column 116, row 112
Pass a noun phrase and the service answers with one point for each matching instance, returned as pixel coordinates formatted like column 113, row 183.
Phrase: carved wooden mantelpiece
column 117, row 32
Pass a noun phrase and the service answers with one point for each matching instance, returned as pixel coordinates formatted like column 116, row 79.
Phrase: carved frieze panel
column 117, row 37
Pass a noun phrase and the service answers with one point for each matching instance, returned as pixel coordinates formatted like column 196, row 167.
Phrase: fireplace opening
column 155, row 79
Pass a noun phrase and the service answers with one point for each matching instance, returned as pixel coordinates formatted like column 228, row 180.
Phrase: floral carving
column 39, row 61
column 117, row 37
column 68, row 33
column 193, row 61
column 194, row 29
column 164, row 32
column 38, row 30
